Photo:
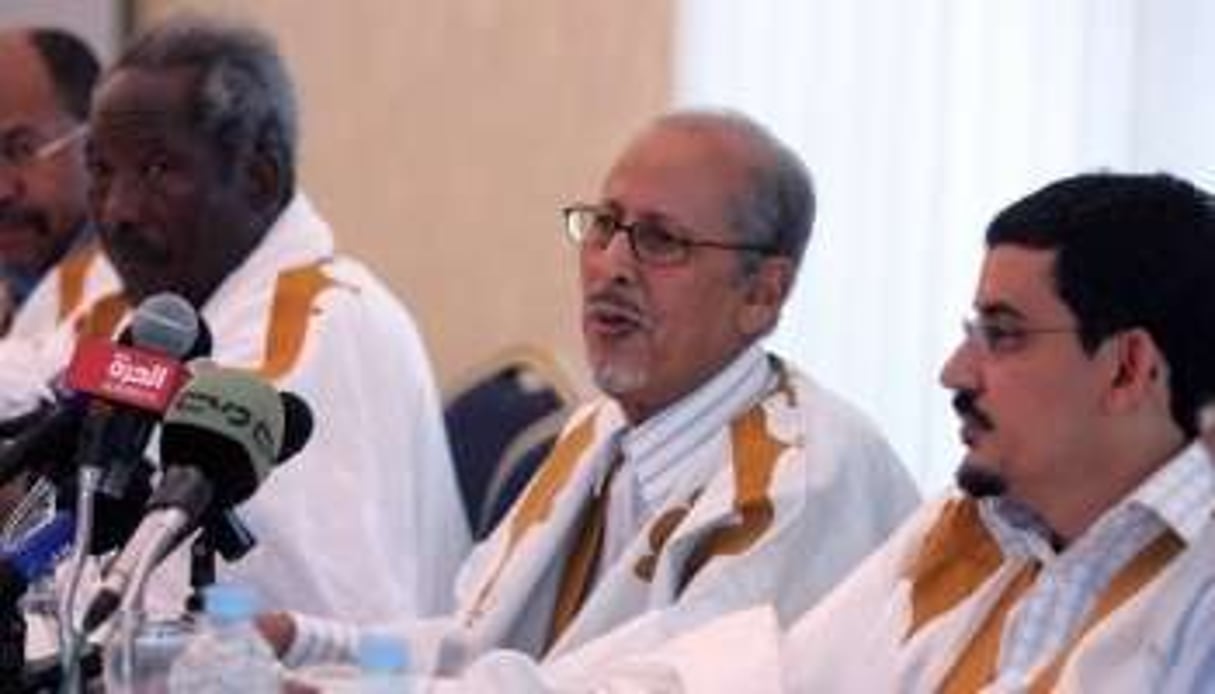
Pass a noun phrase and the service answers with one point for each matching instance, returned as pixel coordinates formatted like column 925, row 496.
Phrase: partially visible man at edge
column 48, row 251
column 49, row 255
column 192, row 157
column 713, row 476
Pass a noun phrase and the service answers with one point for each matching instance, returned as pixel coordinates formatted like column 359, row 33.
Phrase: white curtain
column 922, row 118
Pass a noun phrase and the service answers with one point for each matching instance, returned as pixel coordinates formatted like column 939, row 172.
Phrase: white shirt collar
column 1180, row 496
column 297, row 237
column 655, row 449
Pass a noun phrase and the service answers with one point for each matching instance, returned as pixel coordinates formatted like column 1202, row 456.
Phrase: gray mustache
column 611, row 303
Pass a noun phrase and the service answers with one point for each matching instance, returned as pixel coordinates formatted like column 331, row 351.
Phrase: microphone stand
column 12, row 634
column 71, row 638
column 221, row 533
column 225, row 534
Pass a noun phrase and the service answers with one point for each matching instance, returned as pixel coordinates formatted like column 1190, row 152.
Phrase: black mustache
column 12, row 215
column 979, row 482
column 964, row 405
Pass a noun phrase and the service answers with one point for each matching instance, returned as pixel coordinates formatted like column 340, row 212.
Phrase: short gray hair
column 244, row 99
column 777, row 209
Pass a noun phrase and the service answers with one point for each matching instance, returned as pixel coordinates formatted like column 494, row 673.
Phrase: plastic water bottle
column 382, row 665
column 139, row 654
column 228, row 656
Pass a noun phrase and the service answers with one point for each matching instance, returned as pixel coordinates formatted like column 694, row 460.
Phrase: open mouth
column 612, row 317
column 611, row 323
column 969, row 433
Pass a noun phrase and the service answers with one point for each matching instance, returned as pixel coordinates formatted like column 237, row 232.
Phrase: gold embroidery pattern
column 1150, row 561
column 756, row 453
column 537, row 501
column 72, row 274
column 957, row 556
column 103, row 317
column 660, row 531
column 295, row 295
column 977, row 665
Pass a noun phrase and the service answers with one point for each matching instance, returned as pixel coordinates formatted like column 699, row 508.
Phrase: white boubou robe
column 902, row 620
column 804, row 488
column 78, row 279
column 366, row 520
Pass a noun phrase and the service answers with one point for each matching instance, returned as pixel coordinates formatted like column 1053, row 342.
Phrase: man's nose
column 614, row 262
column 620, row 247
column 959, row 371
column 118, row 203
column 11, row 184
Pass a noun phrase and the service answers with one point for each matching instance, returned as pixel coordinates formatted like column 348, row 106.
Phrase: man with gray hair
column 713, row 476
column 192, row 155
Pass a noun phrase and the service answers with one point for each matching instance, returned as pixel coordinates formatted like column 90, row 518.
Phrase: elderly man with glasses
column 49, row 258
column 712, row 476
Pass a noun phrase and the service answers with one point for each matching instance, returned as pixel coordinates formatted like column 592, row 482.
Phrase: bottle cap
column 381, row 653
column 228, row 602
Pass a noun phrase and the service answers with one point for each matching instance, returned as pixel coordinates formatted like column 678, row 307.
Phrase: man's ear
column 1139, row 371
column 265, row 174
column 765, row 292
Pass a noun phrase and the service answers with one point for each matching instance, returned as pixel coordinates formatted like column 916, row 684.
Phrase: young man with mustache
column 1079, row 555
column 712, row 476
column 49, row 257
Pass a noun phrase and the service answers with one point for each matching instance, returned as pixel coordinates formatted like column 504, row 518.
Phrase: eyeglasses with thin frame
column 652, row 241
column 20, row 149
column 992, row 336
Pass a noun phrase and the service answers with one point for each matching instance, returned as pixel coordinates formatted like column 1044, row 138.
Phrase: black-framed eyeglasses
column 993, row 336
column 22, row 147
column 653, row 242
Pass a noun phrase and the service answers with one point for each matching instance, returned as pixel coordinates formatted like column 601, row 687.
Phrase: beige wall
column 441, row 137
column 100, row 23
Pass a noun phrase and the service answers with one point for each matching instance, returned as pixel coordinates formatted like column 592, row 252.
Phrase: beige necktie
column 578, row 575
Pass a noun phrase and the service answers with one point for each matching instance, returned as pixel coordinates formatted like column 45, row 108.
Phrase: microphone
column 129, row 384
column 222, row 436
column 47, row 434
column 30, row 558
column 34, row 555
column 46, row 440
column 132, row 385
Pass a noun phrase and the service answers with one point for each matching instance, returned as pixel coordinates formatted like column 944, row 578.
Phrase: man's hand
column 278, row 628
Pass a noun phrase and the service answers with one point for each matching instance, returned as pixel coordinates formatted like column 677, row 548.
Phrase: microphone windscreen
column 201, row 348
column 228, row 423
column 47, row 443
column 166, row 323
column 297, row 425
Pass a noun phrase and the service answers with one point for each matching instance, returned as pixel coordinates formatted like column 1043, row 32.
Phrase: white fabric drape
column 920, row 119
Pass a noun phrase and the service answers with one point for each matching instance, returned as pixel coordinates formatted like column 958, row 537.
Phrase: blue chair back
column 501, row 426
